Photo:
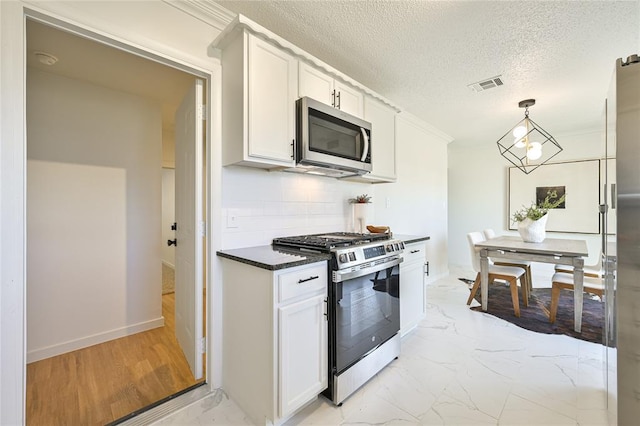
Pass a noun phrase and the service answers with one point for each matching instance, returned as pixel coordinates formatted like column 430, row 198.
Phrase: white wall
column 168, row 148
column 417, row 202
column 94, row 200
column 168, row 253
column 478, row 195
column 168, row 195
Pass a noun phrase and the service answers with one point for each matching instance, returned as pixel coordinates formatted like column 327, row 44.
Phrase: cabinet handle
column 308, row 279
column 333, row 98
column 326, row 309
column 338, row 99
column 293, row 148
column 414, row 251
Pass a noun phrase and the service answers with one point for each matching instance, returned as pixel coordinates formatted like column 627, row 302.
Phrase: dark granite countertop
column 408, row 239
column 273, row 257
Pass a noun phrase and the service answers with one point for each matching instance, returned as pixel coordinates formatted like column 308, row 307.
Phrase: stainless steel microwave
column 331, row 139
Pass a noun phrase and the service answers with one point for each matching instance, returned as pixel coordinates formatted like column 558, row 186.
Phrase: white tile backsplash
column 276, row 204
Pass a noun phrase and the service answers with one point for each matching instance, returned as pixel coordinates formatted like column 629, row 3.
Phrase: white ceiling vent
column 486, row 84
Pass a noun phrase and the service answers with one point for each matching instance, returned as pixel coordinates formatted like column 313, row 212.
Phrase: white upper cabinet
column 324, row 88
column 383, row 140
column 262, row 77
column 258, row 103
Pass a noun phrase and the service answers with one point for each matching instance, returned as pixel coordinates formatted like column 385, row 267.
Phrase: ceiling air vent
column 486, row 84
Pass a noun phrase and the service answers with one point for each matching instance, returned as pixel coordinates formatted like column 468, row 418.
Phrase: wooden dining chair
column 526, row 265
column 594, row 271
column 562, row 280
column 507, row 273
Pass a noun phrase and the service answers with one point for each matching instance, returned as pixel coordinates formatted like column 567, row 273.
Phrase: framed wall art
column 579, row 181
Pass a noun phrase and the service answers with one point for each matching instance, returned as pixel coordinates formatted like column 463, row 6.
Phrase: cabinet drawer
column 414, row 253
column 302, row 281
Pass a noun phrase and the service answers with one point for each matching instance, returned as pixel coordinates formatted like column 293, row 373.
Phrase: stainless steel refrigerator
column 621, row 242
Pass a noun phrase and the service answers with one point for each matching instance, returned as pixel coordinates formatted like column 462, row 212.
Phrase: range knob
column 389, row 248
column 342, row 258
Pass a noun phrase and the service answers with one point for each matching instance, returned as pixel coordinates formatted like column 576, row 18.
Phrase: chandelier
column 527, row 145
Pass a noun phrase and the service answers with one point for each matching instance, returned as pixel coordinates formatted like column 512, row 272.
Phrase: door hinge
column 203, row 229
column 203, row 345
column 202, row 112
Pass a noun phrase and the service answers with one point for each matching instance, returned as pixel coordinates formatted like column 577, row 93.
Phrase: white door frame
column 13, row 182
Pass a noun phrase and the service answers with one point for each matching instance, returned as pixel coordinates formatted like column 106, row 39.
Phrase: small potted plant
column 532, row 220
column 361, row 212
column 360, row 199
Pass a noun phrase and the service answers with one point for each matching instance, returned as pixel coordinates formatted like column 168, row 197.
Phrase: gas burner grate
column 327, row 241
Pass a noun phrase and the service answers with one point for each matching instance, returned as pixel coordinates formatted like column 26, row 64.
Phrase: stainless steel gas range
column 363, row 304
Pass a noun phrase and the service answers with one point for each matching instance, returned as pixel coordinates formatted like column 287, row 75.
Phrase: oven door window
column 367, row 314
column 330, row 135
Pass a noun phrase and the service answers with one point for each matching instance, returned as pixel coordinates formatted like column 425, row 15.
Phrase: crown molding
column 243, row 23
column 207, row 11
column 409, row 118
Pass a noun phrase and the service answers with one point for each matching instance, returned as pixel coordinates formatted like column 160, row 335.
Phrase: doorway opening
column 103, row 340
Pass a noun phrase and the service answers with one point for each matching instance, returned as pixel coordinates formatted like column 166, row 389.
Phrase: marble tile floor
column 458, row 367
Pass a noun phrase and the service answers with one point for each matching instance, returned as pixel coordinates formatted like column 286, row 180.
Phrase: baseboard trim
column 94, row 339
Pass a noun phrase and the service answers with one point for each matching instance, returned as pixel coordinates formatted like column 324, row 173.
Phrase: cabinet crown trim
column 242, row 23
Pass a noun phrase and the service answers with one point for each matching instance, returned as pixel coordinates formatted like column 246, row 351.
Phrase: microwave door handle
column 365, row 151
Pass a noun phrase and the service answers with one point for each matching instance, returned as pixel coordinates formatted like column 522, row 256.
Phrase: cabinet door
column 271, row 102
column 349, row 100
column 302, row 353
column 315, row 84
column 412, row 297
column 383, row 138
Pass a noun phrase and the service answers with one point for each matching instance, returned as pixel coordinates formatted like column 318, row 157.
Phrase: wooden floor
column 102, row 383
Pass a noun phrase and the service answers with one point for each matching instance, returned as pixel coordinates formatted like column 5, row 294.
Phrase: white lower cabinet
column 303, row 352
column 412, row 291
column 274, row 338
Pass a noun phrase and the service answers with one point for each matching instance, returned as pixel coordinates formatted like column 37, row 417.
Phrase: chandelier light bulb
column 520, row 143
column 519, row 132
column 535, row 151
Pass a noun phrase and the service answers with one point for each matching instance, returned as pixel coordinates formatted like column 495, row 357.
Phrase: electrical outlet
column 232, row 218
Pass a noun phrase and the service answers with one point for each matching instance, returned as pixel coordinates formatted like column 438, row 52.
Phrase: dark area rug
column 535, row 317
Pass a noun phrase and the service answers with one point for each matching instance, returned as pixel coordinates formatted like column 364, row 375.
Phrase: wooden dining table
column 551, row 250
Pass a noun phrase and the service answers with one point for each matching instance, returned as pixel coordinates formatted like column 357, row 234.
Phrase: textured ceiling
column 423, row 54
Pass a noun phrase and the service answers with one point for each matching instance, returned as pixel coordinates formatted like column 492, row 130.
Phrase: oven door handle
column 339, row 276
